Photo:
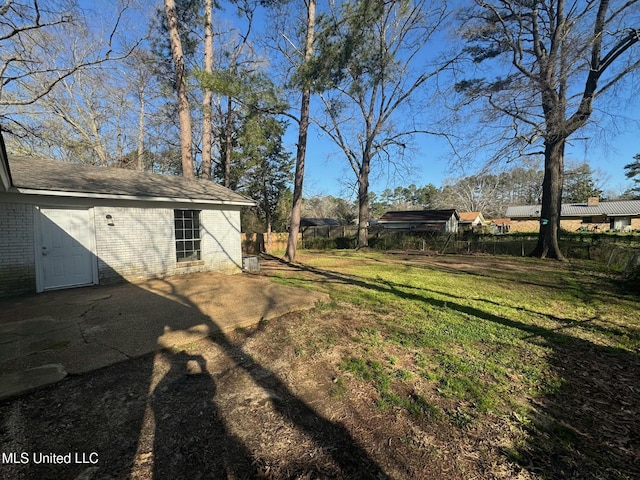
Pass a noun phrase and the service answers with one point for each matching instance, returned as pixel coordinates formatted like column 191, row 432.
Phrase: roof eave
column 107, row 196
column 5, row 173
column 5, row 179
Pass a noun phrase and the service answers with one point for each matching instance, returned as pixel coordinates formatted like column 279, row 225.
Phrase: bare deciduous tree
column 32, row 63
column 548, row 61
column 375, row 63
column 293, row 38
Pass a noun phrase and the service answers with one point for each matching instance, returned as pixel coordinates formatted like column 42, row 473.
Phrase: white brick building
column 65, row 225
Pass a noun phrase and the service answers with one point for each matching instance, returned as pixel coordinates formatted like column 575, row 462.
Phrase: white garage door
column 66, row 248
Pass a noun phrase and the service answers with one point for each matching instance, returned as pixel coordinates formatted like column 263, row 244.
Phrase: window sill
column 195, row 263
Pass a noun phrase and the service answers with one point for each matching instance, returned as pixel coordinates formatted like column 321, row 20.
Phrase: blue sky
column 606, row 144
column 328, row 173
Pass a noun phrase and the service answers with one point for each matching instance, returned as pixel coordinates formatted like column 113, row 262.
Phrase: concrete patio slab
column 19, row 383
column 87, row 328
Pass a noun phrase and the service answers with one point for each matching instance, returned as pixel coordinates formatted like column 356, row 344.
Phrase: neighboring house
column 318, row 222
column 320, row 228
column 66, row 225
column 623, row 215
column 443, row 221
column 471, row 220
column 500, row 225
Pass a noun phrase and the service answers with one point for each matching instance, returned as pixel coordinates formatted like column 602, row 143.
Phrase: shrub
column 340, row 243
column 344, row 243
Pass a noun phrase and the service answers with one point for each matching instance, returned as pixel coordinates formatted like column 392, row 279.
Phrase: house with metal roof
column 66, row 225
column 593, row 215
column 435, row 221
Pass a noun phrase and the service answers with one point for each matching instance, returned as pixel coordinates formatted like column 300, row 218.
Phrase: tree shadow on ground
column 587, row 426
column 349, row 459
column 151, row 417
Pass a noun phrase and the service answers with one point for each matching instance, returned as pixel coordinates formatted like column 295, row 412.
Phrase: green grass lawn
column 546, row 350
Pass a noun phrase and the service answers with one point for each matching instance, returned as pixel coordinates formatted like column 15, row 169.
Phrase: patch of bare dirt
column 247, row 405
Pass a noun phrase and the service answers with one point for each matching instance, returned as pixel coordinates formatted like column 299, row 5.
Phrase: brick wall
column 141, row 243
column 574, row 225
column 524, row 226
column 221, row 244
column 571, row 225
column 17, row 262
column 135, row 243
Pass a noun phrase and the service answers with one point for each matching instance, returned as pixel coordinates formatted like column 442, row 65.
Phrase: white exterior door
column 66, row 249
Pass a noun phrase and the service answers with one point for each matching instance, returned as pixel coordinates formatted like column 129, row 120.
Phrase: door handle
column 44, row 250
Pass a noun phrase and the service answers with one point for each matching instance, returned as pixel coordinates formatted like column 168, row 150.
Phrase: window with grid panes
column 187, row 229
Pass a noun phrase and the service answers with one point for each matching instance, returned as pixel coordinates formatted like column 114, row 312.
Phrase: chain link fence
column 614, row 251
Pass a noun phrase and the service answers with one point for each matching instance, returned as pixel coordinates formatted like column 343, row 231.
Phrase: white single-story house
column 441, row 221
column 66, row 225
column 593, row 215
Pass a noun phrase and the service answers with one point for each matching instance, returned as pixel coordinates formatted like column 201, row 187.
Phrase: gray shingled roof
column 416, row 216
column 609, row 209
column 51, row 175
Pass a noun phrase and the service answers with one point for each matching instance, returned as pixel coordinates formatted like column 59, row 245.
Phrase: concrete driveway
column 46, row 336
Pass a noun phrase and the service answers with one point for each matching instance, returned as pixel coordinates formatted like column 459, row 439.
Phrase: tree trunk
column 294, row 224
column 141, row 130
column 266, row 206
column 207, row 114
column 363, row 202
column 228, row 143
column 184, row 113
column 268, row 245
column 296, row 208
column 547, row 246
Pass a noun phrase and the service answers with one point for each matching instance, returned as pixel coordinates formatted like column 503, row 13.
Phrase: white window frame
column 187, row 232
